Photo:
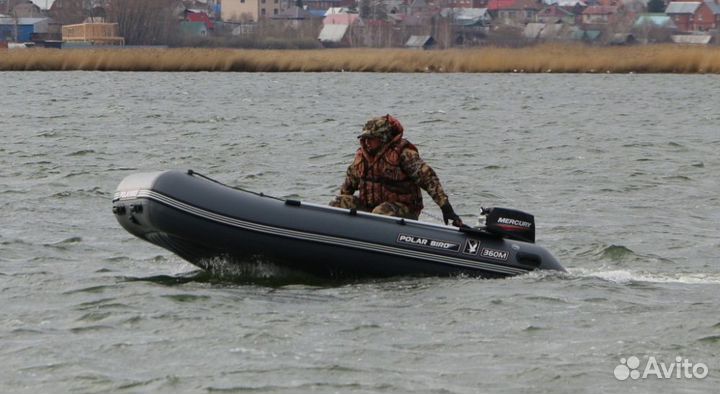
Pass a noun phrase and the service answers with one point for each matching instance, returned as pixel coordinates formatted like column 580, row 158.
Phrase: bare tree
column 68, row 12
column 365, row 8
column 144, row 22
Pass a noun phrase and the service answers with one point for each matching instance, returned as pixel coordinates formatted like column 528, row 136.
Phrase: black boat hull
column 201, row 221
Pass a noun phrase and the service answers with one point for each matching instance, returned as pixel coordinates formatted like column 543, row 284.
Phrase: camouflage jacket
column 395, row 174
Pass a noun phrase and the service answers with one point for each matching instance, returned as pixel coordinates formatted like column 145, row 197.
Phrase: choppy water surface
column 621, row 172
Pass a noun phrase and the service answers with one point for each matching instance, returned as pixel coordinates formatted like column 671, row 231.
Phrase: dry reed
column 543, row 58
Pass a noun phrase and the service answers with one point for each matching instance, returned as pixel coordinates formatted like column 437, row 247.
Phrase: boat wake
column 223, row 270
column 256, row 270
column 624, row 276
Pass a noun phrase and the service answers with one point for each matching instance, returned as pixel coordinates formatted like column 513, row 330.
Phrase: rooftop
column 682, row 7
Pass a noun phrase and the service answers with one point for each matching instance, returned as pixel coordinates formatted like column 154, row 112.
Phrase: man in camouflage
column 388, row 172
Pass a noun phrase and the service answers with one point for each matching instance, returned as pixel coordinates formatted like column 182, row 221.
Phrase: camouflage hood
column 387, row 128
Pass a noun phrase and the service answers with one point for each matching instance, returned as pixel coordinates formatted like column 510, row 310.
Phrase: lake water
column 621, row 172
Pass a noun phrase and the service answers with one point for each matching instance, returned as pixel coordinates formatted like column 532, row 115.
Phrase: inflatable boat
column 202, row 220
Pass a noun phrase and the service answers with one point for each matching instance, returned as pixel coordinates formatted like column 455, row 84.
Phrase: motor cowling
column 510, row 223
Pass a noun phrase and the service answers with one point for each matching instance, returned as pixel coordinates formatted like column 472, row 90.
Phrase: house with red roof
column 599, row 14
column 691, row 15
column 194, row 15
column 556, row 14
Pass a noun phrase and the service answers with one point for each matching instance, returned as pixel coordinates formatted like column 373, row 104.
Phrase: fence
column 97, row 33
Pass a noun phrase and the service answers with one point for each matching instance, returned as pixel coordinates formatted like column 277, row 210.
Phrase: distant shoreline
column 550, row 58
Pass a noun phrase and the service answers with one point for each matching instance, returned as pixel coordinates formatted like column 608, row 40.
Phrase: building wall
column 516, row 16
column 682, row 21
column 24, row 32
column 325, row 4
column 240, row 10
column 703, row 19
column 268, row 8
column 460, row 3
column 596, row 19
column 237, row 10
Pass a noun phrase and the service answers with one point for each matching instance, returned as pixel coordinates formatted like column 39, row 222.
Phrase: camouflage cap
column 380, row 127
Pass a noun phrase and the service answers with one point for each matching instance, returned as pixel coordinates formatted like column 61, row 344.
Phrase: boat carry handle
column 294, row 203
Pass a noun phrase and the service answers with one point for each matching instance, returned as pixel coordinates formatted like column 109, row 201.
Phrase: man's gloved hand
column 449, row 214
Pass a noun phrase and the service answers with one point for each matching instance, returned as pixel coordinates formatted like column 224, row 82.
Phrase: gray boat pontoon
column 200, row 220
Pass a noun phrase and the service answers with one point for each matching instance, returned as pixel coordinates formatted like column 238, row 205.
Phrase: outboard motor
column 510, row 223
